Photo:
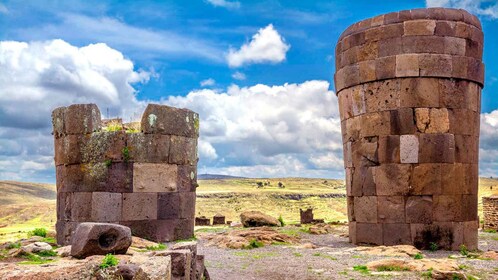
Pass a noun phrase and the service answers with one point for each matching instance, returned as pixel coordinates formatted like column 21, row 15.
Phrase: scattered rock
column 322, row 228
column 235, row 224
column 64, row 251
column 141, row 243
column 218, row 219
column 239, row 239
column 448, row 275
column 258, row 219
column 391, row 251
column 490, row 255
column 36, row 247
column 202, row 221
column 415, row 265
column 128, row 271
column 100, row 239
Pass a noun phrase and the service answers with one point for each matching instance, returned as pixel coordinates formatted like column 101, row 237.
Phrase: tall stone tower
column 409, row 88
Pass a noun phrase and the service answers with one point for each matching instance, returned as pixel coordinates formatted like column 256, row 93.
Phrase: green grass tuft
column 363, row 269
column 254, row 244
column 418, row 256
column 281, row 220
column 392, row 268
column 38, row 232
column 108, row 261
column 158, row 247
column 126, row 154
column 433, row 247
column 13, row 245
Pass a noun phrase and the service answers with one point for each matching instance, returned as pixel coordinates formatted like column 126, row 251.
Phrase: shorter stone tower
column 144, row 179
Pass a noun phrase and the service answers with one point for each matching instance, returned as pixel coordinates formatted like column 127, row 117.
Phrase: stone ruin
column 490, row 210
column 144, row 179
column 409, row 89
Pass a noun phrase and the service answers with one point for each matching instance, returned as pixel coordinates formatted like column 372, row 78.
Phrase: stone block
column 435, row 65
column 155, row 230
column 460, row 66
column 423, row 44
column 351, row 75
column 391, row 209
column 168, row 120
column 436, row 148
column 469, row 207
column 67, row 149
column 202, row 221
column 455, row 93
column 392, row 179
column 64, row 203
column 475, row 71
column 473, row 49
column 419, row 27
column 453, row 179
column 184, row 229
column 390, row 47
column 352, row 232
column 81, row 206
column 64, row 231
column 454, row 46
column 362, row 181
column 445, row 28
column 181, row 263
column 155, row 177
column 345, row 106
column 385, row 67
column 381, row 96
column 139, row 206
column 350, row 207
column 396, row 234
column 347, row 154
column 432, row 120
column 407, row 65
column 168, row 206
column 351, row 128
column 357, row 101
column 100, row 239
column 106, row 207
column 219, row 219
column 368, row 233
column 364, row 152
column 419, row 209
column 365, row 209
column 446, row 235
column 470, row 231
column 187, row 178
column 349, row 56
column 82, row 119
column 58, row 125
column 409, row 148
column 367, row 71
column 349, row 180
column 447, row 208
column 187, row 205
column 183, row 150
column 464, row 122
column 403, row 121
column 148, row 147
column 90, row 177
column 388, row 151
column 419, row 92
column 426, row 179
column 375, row 124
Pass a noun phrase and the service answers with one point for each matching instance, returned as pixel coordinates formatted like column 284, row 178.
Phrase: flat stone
column 155, row 177
column 100, row 239
column 139, row 206
column 409, row 148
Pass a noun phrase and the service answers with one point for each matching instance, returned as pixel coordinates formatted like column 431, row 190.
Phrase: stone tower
column 144, row 179
column 409, row 88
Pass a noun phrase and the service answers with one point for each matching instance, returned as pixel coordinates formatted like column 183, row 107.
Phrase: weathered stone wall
column 490, row 210
column 143, row 180
column 409, row 88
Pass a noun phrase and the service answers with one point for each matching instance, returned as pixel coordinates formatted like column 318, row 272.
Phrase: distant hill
column 217, row 177
column 22, row 192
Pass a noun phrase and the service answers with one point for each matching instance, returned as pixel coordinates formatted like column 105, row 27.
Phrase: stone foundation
column 145, row 180
column 409, row 89
column 490, row 210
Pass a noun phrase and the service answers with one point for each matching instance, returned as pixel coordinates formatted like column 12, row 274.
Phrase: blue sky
column 263, row 113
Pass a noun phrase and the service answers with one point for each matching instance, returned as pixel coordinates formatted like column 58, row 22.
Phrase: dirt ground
column 334, row 258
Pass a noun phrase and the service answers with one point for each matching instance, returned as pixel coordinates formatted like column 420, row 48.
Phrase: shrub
column 433, row 247
column 254, row 244
column 108, row 261
column 38, row 232
column 361, row 269
column 418, row 256
column 281, row 220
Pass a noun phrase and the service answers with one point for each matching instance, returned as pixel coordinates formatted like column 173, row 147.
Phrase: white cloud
column 479, row 7
column 266, row 46
column 208, row 82
column 225, row 4
column 265, row 130
column 37, row 77
column 239, row 76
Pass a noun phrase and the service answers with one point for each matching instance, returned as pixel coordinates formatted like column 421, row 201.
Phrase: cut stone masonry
column 144, row 179
column 409, row 90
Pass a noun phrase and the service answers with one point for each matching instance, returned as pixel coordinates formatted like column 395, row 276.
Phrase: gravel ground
column 331, row 260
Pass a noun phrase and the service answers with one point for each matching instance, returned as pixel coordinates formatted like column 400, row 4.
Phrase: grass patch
column 490, row 230
column 281, row 220
column 427, row 274
column 38, row 258
column 212, row 229
column 418, row 256
column 254, row 244
column 113, row 126
column 13, row 245
column 463, row 250
column 49, row 240
column 47, row 253
column 108, row 261
column 42, row 232
column 296, row 254
column 158, row 247
column 391, row 268
column 279, row 243
column 324, row 256
column 462, row 266
column 256, row 256
column 363, row 269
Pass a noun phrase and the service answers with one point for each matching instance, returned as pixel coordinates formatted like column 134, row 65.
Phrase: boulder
column 100, row 239
column 128, row 271
column 64, row 251
column 36, row 247
column 258, row 219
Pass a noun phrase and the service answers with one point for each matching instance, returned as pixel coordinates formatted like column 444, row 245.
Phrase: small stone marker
column 306, row 216
column 99, row 239
column 202, row 221
column 218, row 219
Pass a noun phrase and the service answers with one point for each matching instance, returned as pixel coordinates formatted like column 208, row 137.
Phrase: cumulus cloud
column 266, row 46
column 225, row 4
column 207, row 82
column 286, row 130
column 478, row 7
column 239, row 76
column 37, row 77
